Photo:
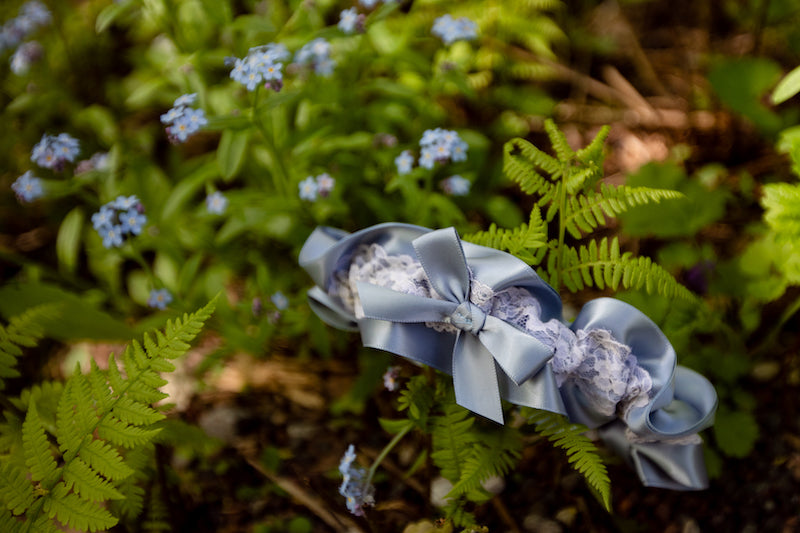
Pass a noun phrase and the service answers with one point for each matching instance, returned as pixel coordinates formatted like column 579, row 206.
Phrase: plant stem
column 562, row 207
column 386, row 449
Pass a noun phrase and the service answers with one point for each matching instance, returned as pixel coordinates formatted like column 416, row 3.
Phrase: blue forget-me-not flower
column 118, row 218
column 261, row 64
column 308, row 189
column 27, row 187
column 316, row 54
column 216, row 203
column 182, row 121
column 159, row 298
column 441, row 145
column 32, row 16
column 355, row 487
column 280, row 301
column 350, row 21
column 325, row 184
column 52, row 151
column 404, row 162
column 456, row 185
column 450, row 30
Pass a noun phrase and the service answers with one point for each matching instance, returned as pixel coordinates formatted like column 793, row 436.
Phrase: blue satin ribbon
column 491, row 359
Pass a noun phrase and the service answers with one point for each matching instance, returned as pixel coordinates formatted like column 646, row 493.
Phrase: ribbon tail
column 518, row 353
column 475, row 378
column 660, row 464
column 416, row 342
column 539, row 392
column 329, row 311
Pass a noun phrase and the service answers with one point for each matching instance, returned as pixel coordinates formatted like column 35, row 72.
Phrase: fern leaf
column 96, row 413
column 16, row 492
column 38, row 457
column 559, row 141
column 452, row 440
column 105, row 459
column 602, row 264
column 782, row 204
column 23, row 330
column 528, row 241
column 118, row 432
column 84, row 480
column 520, row 162
column 418, row 399
column 581, row 451
column 587, row 212
column 496, row 455
column 69, row 509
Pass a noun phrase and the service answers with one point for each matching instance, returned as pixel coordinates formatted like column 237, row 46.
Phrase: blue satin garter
column 486, row 318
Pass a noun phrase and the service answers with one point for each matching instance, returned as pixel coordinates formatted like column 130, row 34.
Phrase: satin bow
column 480, row 340
column 682, row 402
column 488, row 358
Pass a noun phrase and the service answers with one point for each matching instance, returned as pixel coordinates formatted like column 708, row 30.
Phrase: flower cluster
column 450, row 30
column 216, row 203
column 183, row 121
column 317, row 55
column 356, row 489
column 311, row 187
column 455, row 185
column 159, row 299
column 261, row 64
column 27, row 187
column 441, row 145
column 32, row 16
column 53, row 151
column 119, row 218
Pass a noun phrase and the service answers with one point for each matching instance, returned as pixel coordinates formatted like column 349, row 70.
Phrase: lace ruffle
column 604, row 370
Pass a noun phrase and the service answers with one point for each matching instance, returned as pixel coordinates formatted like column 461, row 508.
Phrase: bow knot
column 467, row 317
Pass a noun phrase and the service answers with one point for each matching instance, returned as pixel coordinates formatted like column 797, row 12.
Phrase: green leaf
column 735, row 432
column 231, row 151
column 69, row 240
column 38, row 457
column 787, row 87
column 741, row 82
column 78, row 319
column 111, row 13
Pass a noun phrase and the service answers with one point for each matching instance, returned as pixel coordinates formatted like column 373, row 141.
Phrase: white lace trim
column 603, row 369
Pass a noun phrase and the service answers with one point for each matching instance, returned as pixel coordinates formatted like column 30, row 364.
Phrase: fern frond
column 586, row 212
column 97, row 414
column 520, row 162
column 38, row 457
column 15, row 489
column 580, row 450
column 559, row 142
column 23, row 330
column 418, row 399
column 452, row 440
column 782, row 204
column 603, row 265
column 497, row 454
column 528, row 241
